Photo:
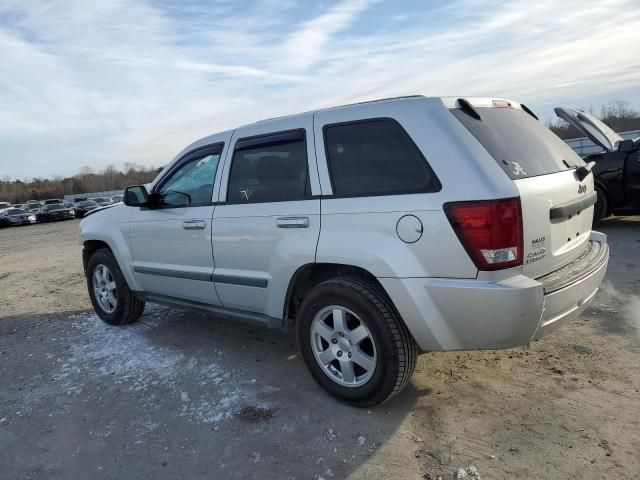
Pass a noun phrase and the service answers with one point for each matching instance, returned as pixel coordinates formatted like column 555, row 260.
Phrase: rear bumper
column 457, row 314
column 567, row 298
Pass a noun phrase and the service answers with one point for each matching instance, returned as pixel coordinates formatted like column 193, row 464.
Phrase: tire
column 601, row 208
column 389, row 342
column 126, row 307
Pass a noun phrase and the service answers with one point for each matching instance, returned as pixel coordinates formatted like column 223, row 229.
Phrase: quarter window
column 269, row 169
column 191, row 183
column 376, row 157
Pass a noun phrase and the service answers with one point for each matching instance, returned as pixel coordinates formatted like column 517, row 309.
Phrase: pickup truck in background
column 616, row 169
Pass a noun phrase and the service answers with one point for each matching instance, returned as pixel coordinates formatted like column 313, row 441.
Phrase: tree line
column 616, row 114
column 86, row 181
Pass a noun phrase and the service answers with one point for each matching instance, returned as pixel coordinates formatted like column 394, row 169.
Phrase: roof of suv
column 447, row 102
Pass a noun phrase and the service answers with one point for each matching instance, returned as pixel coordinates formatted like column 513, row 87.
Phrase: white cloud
column 305, row 46
column 124, row 80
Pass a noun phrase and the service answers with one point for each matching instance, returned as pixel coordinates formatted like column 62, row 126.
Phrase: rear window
column 376, row 157
column 521, row 145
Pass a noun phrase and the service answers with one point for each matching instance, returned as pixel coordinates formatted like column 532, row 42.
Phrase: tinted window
column 55, row 206
column 376, row 157
column 521, row 145
column 271, row 169
column 15, row 211
column 192, row 182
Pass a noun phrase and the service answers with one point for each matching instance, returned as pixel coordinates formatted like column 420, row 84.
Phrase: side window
column 192, row 183
column 272, row 168
column 375, row 157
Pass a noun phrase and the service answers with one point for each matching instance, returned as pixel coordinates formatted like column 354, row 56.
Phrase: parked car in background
column 4, row 205
column 377, row 230
column 33, row 206
column 616, row 168
column 55, row 211
column 81, row 208
column 19, row 206
column 101, row 201
column 116, row 198
column 13, row 217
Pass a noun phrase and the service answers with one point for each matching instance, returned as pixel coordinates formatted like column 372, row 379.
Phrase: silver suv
column 378, row 231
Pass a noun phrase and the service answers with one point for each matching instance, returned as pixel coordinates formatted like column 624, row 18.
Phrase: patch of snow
column 131, row 360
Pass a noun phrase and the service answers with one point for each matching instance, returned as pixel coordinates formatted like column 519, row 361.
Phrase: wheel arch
column 308, row 276
column 90, row 246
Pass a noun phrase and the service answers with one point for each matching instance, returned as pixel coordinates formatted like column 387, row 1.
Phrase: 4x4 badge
column 582, row 188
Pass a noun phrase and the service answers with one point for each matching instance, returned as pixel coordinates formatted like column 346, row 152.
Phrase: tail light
column 489, row 230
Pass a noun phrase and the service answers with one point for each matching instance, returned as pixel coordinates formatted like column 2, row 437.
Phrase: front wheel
column 354, row 343
column 110, row 295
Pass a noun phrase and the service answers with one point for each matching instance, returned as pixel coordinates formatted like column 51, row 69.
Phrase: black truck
column 616, row 169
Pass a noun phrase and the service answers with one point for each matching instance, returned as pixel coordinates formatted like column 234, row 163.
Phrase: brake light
column 489, row 230
column 501, row 104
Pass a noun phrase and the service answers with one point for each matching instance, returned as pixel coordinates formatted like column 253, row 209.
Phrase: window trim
column 290, row 135
column 436, row 185
column 186, row 158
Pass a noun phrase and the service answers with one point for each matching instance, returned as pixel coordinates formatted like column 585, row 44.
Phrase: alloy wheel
column 343, row 346
column 104, row 288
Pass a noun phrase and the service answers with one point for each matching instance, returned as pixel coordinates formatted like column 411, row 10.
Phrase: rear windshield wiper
column 584, row 170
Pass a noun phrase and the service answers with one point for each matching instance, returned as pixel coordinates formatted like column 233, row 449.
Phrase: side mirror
column 136, row 196
column 625, row 146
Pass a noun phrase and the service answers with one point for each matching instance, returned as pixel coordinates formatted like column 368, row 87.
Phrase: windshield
column 98, row 199
column 55, row 207
column 15, row 211
column 89, row 203
column 520, row 144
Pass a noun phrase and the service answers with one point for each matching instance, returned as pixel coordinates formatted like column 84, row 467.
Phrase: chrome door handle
column 292, row 222
column 194, row 224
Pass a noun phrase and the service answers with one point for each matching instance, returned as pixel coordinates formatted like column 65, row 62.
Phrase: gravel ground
column 186, row 395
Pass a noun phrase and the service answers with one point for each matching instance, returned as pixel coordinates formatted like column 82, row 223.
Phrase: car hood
column 99, row 209
column 592, row 127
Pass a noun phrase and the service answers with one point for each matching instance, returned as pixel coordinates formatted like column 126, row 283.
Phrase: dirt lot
column 185, row 395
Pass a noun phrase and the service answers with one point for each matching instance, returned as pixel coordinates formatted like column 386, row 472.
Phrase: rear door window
column 376, row 157
column 521, row 145
column 269, row 168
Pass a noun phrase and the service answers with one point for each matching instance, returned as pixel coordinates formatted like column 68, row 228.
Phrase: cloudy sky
column 111, row 81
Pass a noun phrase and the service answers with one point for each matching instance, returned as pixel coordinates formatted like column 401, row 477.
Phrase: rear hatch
column 557, row 208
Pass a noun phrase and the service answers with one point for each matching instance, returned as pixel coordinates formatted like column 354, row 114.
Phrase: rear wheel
column 601, row 208
column 354, row 344
column 110, row 295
